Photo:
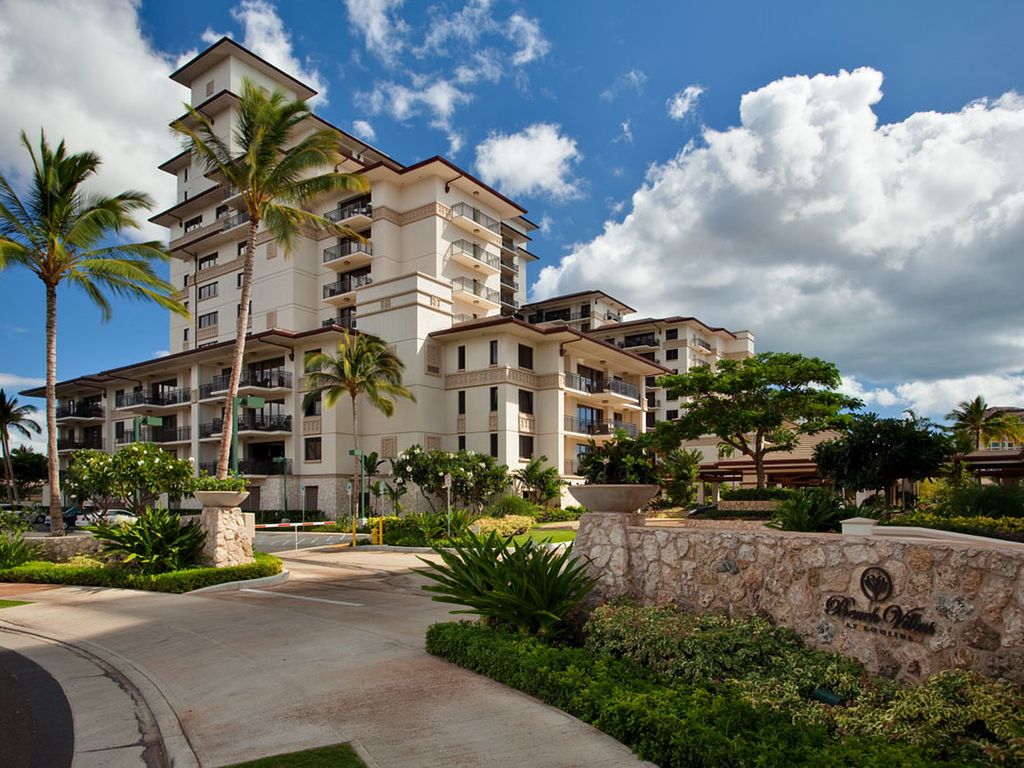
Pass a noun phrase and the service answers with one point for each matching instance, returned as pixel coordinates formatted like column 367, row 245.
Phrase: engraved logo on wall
column 891, row 620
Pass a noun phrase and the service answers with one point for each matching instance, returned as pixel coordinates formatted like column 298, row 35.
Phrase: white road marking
column 302, row 597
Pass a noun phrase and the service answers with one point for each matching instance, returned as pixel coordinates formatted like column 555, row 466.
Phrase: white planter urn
column 622, row 498
column 221, row 499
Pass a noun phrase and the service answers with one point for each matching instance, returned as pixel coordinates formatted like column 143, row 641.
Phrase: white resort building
column 441, row 278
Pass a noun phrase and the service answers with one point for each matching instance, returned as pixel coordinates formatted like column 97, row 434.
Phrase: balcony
column 166, row 398
column 474, row 256
column 358, row 213
column 79, row 411
column 348, row 254
column 343, row 290
column 701, row 346
column 249, row 423
column 571, row 467
column 510, row 301
column 86, row 443
column 477, row 222
column 633, row 342
column 598, row 427
column 474, row 292
column 202, row 232
column 510, row 266
column 253, row 467
column 603, row 387
column 342, row 321
column 155, row 435
column 509, row 282
column 622, row 389
column 253, row 381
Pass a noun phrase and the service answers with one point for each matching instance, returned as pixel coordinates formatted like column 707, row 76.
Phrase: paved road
column 274, row 541
column 334, row 654
column 36, row 730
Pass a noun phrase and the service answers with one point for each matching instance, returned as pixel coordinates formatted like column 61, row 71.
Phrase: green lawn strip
column 546, row 535
column 336, row 756
column 38, row 572
column 12, row 603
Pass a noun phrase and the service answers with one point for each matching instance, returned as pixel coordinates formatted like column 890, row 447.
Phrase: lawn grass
column 336, row 756
column 552, row 535
column 12, row 603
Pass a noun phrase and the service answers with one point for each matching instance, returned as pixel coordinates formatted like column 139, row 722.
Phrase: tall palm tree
column 974, row 419
column 270, row 162
column 363, row 366
column 14, row 418
column 61, row 233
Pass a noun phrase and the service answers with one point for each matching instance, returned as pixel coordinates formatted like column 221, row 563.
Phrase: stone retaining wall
column 58, row 549
column 947, row 605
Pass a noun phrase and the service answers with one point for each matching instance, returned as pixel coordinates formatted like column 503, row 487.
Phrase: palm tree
column 980, row 423
column 363, row 366
column 14, row 418
column 59, row 232
column 274, row 182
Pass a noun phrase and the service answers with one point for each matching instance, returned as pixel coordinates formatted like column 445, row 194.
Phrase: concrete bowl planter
column 221, row 498
column 613, row 498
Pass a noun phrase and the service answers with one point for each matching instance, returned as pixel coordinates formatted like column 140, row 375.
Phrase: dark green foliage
column 156, row 543
column 1008, row 528
column 809, row 510
column 476, row 477
column 122, row 578
column 213, row 483
column 622, row 459
column 513, row 505
column 29, row 468
column 540, row 482
column 714, row 513
column 671, row 723
column 874, row 453
column 437, row 526
column 14, row 550
column 559, row 515
column 264, row 516
column 983, row 501
column 757, row 494
column 336, row 756
column 523, row 585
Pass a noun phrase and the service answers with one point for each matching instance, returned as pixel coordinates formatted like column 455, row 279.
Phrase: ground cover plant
column 1007, row 528
column 545, row 536
column 809, row 510
column 156, row 542
column 687, row 690
column 90, row 572
column 335, row 756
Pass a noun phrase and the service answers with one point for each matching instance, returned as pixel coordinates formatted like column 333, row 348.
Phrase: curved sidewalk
column 334, row 655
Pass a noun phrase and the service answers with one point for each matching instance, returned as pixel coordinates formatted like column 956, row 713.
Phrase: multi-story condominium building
column 676, row 343
column 441, row 271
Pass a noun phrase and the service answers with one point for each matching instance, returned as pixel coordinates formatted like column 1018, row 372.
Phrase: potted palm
column 620, row 475
column 216, row 492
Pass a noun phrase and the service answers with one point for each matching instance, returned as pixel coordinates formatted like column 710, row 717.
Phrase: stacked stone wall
column 905, row 608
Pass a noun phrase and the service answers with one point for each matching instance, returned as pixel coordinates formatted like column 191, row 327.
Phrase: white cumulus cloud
column 383, row 30
column 538, row 160
column 682, row 104
column 529, row 38
column 364, row 130
column 630, row 80
column 893, row 250
column 938, row 397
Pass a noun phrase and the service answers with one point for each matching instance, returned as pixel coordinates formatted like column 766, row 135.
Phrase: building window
column 184, row 175
column 208, row 320
column 209, row 88
column 238, row 279
column 462, row 442
column 671, row 354
column 494, row 351
column 185, row 334
column 525, row 401
column 462, row 402
column 462, row 358
column 314, row 407
column 238, row 310
column 241, row 248
column 207, row 291
column 584, row 327
column 525, row 357
column 494, row 445
column 222, row 211
column 525, row 447
column 208, row 261
column 194, row 223
column 672, row 414
column 494, row 399
column 651, row 381
column 314, row 449
column 671, row 334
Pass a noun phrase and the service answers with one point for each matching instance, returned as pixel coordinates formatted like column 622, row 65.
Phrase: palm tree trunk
column 356, row 458
column 239, row 355
column 12, row 491
column 56, row 518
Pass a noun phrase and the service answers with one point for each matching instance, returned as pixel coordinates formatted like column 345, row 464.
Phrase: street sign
column 348, row 487
column 447, row 479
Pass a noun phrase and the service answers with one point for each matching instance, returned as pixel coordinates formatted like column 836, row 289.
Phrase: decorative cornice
column 490, row 376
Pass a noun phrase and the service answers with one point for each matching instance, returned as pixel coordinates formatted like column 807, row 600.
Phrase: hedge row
column 756, row 494
column 1008, row 528
column 38, row 572
column 673, row 724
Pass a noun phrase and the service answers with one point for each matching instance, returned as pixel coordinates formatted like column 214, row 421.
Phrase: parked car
column 115, row 516
column 70, row 515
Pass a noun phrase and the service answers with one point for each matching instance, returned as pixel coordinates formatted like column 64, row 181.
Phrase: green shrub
column 14, row 550
column 523, row 585
column 513, row 505
column 559, row 515
column 714, row 513
column 264, row 516
column 757, row 494
column 211, row 483
column 156, row 542
column 511, row 525
column 1008, row 528
column 974, row 500
column 99, row 575
column 673, row 724
column 810, row 509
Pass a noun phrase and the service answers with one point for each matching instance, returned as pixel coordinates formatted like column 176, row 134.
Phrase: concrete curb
column 177, row 746
column 228, row 586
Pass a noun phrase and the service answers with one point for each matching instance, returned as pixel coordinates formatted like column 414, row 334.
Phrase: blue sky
column 801, row 219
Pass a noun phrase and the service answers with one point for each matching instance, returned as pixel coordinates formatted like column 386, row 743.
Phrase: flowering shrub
column 137, row 474
column 476, row 477
column 510, row 525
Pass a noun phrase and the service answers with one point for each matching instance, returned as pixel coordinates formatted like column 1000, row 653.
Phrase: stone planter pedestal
column 228, row 529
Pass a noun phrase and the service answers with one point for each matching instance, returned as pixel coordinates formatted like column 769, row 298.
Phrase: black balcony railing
column 346, row 284
column 80, row 410
column 347, row 211
column 598, row 426
column 347, row 248
column 475, row 252
column 210, row 428
column 81, row 444
column 477, row 216
column 584, row 384
column 620, row 388
column 647, row 340
column 258, row 422
column 275, row 378
column 160, row 397
column 230, row 222
column 510, row 301
column 339, row 322
column 511, row 266
column 168, row 434
column 581, row 383
column 253, row 467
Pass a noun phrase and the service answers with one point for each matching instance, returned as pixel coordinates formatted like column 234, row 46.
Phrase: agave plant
column 527, row 586
column 155, row 543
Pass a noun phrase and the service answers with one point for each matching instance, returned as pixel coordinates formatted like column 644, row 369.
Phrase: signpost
column 362, row 485
column 348, row 490
column 448, row 490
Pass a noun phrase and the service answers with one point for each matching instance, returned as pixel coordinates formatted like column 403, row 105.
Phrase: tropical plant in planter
column 229, row 491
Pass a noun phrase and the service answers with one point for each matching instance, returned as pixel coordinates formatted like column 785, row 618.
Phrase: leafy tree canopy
column 137, row 474
column 476, row 477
